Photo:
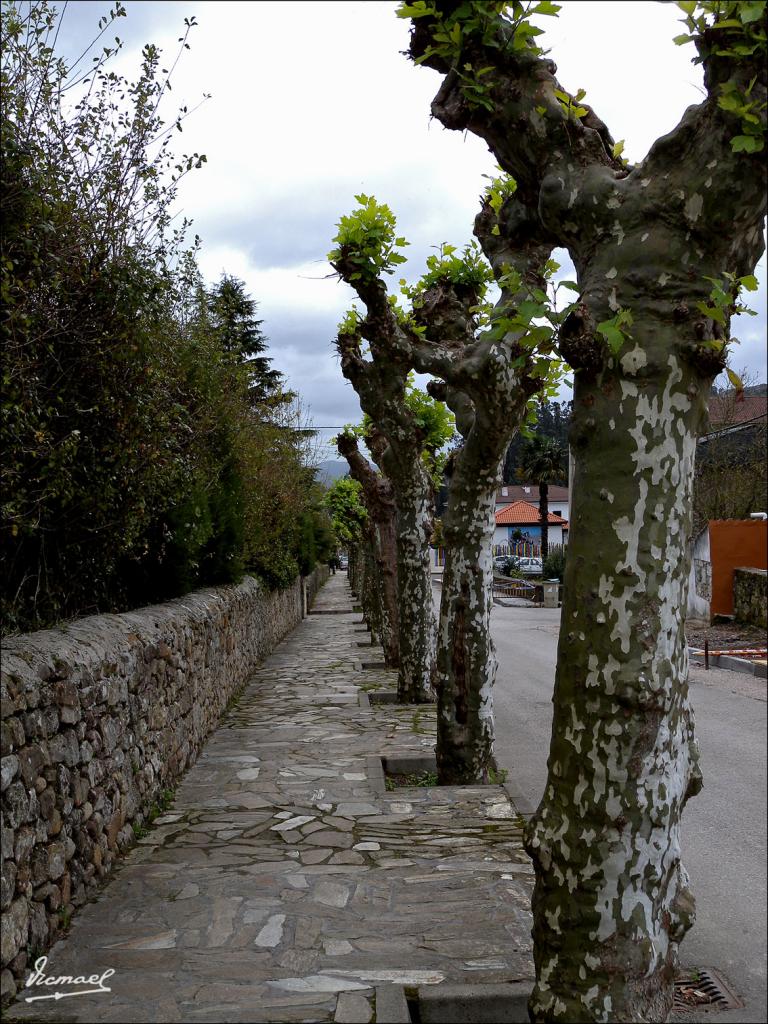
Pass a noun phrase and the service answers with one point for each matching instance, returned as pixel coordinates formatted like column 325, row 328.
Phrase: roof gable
column 523, row 513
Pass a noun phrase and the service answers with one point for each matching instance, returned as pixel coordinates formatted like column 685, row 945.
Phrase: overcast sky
column 313, row 102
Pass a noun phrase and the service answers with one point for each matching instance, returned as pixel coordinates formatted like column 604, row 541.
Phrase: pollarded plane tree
column 661, row 249
column 361, row 546
column 364, row 577
column 344, row 505
column 487, row 363
column 365, row 248
column 433, row 425
column 379, row 498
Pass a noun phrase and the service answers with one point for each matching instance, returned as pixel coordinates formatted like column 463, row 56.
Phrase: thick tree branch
column 450, row 347
column 520, row 91
column 565, row 167
column 360, row 469
column 377, row 488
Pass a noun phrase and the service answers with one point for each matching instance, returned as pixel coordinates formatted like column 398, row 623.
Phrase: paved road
column 724, row 832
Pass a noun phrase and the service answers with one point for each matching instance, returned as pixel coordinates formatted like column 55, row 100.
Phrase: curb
column 375, row 772
column 406, row 763
column 743, row 665
column 456, row 1004
column 518, row 799
column 391, row 1005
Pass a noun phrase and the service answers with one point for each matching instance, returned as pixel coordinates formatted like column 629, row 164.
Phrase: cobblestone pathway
column 282, row 886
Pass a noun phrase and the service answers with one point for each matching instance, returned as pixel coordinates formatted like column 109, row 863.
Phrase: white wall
column 700, row 579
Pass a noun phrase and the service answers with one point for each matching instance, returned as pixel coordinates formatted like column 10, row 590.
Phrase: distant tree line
column 148, row 445
column 551, row 421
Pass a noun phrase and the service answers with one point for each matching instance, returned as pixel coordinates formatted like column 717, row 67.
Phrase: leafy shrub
column 148, row 446
column 554, row 563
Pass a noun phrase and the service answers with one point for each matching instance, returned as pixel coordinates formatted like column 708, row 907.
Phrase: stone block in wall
column 703, row 577
column 15, row 805
column 9, row 769
column 750, row 596
column 14, row 929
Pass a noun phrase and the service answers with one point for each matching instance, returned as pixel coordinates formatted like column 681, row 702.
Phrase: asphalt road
column 724, row 829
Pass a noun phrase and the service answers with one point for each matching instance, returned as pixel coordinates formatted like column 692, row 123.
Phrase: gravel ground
column 726, row 636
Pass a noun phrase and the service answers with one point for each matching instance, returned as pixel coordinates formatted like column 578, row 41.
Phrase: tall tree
column 488, row 363
column 546, row 419
column 378, row 496
column 365, row 247
column 345, row 507
column 542, row 462
column 661, row 250
column 232, row 314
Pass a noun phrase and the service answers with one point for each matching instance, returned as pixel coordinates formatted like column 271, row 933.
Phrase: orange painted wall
column 734, row 543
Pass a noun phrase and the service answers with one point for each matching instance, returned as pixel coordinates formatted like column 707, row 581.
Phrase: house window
column 556, row 511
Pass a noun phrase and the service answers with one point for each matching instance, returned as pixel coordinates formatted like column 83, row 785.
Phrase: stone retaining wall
column 750, row 596
column 315, row 581
column 99, row 720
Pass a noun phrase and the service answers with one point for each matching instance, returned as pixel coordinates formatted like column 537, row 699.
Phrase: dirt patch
column 725, row 636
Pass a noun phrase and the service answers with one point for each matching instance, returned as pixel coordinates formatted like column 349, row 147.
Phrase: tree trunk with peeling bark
column 611, row 894
column 380, row 383
column 359, row 574
column 415, row 510
column 378, row 496
column 612, row 900
column 466, row 661
column 369, row 595
column 486, row 377
column 488, row 397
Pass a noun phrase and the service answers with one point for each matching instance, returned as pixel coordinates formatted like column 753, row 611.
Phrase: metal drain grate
column 703, row 989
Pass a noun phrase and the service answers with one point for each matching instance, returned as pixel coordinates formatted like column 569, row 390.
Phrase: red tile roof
column 729, row 409
column 522, row 512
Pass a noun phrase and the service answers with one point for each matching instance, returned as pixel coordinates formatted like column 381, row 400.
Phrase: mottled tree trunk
column 413, row 491
column 487, row 381
column 370, row 595
column 380, row 383
column 466, row 663
column 611, row 898
column 378, row 497
column 387, row 572
column 611, row 901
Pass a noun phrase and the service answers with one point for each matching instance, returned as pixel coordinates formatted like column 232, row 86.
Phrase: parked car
column 502, row 563
column 343, row 562
column 529, row 566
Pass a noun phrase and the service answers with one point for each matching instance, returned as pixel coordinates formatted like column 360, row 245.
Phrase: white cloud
column 313, row 102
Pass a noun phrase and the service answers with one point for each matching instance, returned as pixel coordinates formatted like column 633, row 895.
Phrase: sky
column 314, row 102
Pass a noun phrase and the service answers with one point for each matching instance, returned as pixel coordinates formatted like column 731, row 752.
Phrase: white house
column 517, row 525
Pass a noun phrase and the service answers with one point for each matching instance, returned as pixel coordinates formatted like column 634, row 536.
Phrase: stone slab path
column 282, row 886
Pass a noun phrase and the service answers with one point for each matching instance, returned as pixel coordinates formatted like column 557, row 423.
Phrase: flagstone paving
column 282, row 886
